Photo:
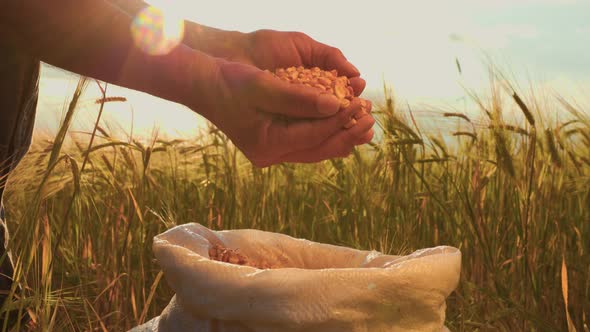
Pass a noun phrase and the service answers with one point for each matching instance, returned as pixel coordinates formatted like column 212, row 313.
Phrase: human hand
column 272, row 121
column 270, row 49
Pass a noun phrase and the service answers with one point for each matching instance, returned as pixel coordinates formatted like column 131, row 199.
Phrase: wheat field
column 513, row 196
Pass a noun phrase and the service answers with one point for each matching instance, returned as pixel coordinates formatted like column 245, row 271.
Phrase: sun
column 157, row 31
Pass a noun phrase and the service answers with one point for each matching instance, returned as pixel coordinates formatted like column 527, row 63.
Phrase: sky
column 412, row 46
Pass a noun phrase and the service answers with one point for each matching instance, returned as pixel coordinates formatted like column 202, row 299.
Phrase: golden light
column 157, row 32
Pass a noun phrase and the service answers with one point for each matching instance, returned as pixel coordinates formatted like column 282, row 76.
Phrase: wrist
column 215, row 42
column 182, row 76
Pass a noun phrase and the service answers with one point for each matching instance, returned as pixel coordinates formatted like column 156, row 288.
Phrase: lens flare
column 156, row 32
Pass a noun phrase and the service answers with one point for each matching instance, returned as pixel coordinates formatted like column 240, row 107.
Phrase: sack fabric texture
column 311, row 287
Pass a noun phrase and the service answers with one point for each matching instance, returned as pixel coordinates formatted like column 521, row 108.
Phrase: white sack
column 319, row 287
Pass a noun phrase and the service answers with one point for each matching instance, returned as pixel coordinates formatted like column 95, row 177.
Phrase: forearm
column 131, row 7
column 215, row 42
column 93, row 38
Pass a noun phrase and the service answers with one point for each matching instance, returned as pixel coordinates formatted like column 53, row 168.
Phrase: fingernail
column 327, row 104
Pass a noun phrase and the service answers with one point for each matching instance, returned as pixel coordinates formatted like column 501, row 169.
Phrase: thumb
column 294, row 100
column 333, row 58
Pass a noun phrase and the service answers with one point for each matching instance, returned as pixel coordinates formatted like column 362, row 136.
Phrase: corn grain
column 326, row 81
column 350, row 124
column 232, row 256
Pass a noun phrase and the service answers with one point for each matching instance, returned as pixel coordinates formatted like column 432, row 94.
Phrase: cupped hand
column 270, row 49
column 272, row 121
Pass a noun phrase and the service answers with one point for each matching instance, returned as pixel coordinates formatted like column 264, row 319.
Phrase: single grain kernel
column 325, row 81
column 350, row 91
column 350, row 124
column 340, row 91
column 360, row 114
column 319, row 86
column 344, row 103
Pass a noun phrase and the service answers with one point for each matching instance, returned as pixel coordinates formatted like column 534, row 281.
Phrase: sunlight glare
column 157, row 32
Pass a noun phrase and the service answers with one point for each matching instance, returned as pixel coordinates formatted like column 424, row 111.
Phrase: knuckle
column 261, row 34
column 336, row 52
column 298, row 35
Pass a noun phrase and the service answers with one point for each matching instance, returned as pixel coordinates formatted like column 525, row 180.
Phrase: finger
column 293, row 100
column 358, row 85
column 256, row 88
column 324, row 56
column 364, row 107
column 369, row 106
column 333, row 58
column 339, row 145
column 366, row 138
column 304, row 134
column 328, row 57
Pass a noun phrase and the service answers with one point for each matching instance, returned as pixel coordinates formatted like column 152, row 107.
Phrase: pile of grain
column 327, row 81
column 232, row 256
